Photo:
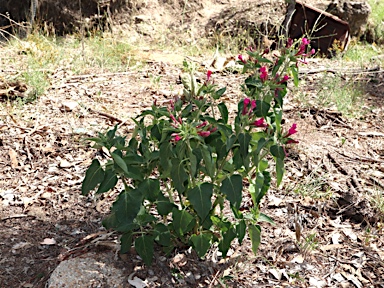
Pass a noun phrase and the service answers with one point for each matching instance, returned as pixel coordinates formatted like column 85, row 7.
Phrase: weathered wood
column 327, row 33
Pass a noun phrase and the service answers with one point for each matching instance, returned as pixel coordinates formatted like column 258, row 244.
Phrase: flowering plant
column 186, row 166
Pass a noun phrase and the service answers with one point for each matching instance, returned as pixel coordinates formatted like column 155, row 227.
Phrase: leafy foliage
column 184, row 162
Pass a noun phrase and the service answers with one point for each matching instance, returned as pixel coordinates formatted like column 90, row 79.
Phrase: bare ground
column 333, row 177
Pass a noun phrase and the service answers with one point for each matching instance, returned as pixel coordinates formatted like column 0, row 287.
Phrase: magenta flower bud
column 291, row 141
column 292, row 130
column 173, row 119
column 245, row 105
column 209, row 73
column 260, row 123
column 176, row 137
column 266, row 51
column 305, row 41
column 289, row 43
column 202, row 125
column 263, row 73
column 241, row 58
column 285, row 79
column 214, row 129
column 253, row 105
column 204, row 133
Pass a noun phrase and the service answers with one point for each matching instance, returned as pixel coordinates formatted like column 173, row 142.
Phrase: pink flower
column 214, row 129
column 253, row 105
column 266, row 51
column 285, row 79
column 202, row 125
column 241, row 58
column 209, row 73
column 305, row 41
column 303, row 46
column 263, row 73
column 176, row 137
column 292, row 130
column 260, row 123
column 289, row 43
column 245, row 105
column 204, row 133
column 173, row 119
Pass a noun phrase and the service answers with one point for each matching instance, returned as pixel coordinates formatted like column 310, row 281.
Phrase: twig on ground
column 109, row 116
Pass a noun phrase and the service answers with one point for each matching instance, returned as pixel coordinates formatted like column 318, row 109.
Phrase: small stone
column 65, row 164
column 68, row 106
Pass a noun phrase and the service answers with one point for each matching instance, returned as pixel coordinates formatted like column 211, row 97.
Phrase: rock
column 89, row 270
column 355, row 13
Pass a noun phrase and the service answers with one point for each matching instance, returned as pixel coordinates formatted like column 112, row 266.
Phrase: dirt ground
column 333, row 177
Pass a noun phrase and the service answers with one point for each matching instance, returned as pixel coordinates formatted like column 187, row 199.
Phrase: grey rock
column 355, row 13
column 89, row 270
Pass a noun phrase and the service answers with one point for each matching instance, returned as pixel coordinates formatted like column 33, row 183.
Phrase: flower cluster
column 248, row 102
column 290, row 132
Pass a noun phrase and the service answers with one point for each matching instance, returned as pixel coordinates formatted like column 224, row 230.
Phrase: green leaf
column 150, row 188
column 255, row 235
column 183, row 222
column 144, row 217
column 163, row 235
column 127, row 206
column 219, row 93
column 240, row 231
column 144, row 247
column 201, row 243
column 237, row 159
column 260, row 187
column 186, row 111
column 155, row 132
column 178, row 175
column 165, row 157
column 200, row 198
column 223, row 111
column 295, row 73
column 126, row 242
column 193, row 163
column 110, row 221
column 232, row 187
column 119, row 162
column 225, row 243
column 109, row 181
column 230, row 141
column 244, row 139
column 265, row 218
column 111, row 133
column 93, row 176
column 262, row 108
column 164, row 206
column 208, row 161
column 263, row 164
column 277, row 151
column 279, row 170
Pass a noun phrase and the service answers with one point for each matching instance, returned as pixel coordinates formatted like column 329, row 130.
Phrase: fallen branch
column 109, row 116
column 376, row 69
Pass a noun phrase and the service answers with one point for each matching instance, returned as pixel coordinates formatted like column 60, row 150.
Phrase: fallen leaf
column 298, row 259
column 335, row 238
column 13, row 157
column 276, row 273
column 48, row 241
column 137, row 282
column 316, row 282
